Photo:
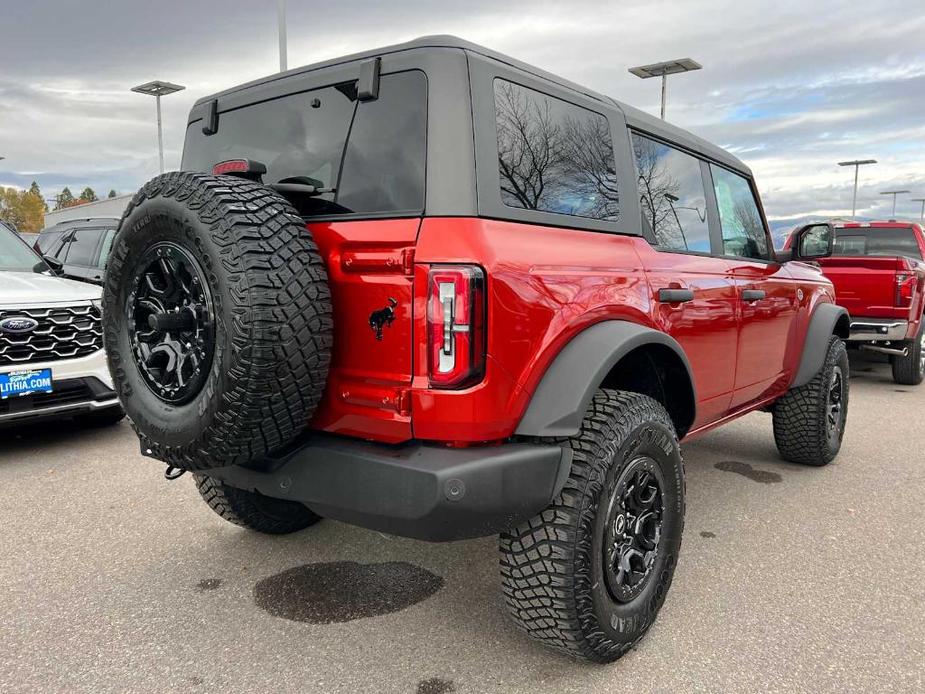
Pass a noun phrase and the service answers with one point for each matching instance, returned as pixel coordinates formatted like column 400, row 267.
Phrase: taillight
column 905, row 287
column 456, row 325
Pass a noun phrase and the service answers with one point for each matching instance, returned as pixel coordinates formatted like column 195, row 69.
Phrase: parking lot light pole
column 157, row 89
column 669, row 67
column 281, row 16
column 894, row 193
column 857, row 163
column 921, row 200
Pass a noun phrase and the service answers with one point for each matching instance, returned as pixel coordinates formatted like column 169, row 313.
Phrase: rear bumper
column 414, row 490
column 878, row 329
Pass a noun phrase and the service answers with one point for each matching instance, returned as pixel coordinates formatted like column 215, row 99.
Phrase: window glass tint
column 83, row 247
column 15, row 255
column 48, row 241
column 672, row 196
column 883, row 241
column 302, row 138
column 554, row 156
column 743, row 231
column 384, row 162
column 106, row 248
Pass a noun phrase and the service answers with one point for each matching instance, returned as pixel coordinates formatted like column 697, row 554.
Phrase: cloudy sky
column 791, row 87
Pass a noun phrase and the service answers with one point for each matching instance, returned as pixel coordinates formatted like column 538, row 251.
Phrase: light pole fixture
column 857, row 163
column 921, row 200
column 281, row 16
column 669, row 67
column 157, row 89
column 894, row 193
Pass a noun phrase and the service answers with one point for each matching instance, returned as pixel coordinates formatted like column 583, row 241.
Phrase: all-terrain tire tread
column 243, row 508
column 800, row 417
column 545, row 561
column 280, row 338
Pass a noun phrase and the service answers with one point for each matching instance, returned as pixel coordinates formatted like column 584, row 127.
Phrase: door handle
column 675, row 296
column 751, row 295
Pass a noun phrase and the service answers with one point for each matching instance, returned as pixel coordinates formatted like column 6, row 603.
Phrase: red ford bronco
column 879, row 276
column 437, row 292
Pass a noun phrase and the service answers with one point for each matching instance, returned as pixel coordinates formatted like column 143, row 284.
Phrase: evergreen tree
column 87, row 195
column 64, row 199
column 112, row 194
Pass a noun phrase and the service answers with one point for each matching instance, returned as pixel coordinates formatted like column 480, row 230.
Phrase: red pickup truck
column 879, row 276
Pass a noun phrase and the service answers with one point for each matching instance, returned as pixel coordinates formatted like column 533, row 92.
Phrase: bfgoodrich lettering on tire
column 588, row 575
column 217, row 319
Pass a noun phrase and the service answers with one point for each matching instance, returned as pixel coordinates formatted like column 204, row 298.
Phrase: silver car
column 51, row 348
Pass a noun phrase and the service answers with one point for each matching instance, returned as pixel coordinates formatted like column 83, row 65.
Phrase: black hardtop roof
column 634, row 117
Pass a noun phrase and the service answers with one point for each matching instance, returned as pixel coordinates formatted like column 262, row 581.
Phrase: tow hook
column 173, row 473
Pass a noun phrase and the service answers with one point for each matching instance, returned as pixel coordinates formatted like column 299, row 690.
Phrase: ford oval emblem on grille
column 18, row 325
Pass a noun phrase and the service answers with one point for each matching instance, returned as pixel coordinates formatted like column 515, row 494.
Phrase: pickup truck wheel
column 588, row 575
column 809, row 421
column 217, row 320
column 910, row 369
column 252, row 510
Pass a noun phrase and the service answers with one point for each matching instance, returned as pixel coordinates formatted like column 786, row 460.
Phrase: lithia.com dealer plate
column 16, row 383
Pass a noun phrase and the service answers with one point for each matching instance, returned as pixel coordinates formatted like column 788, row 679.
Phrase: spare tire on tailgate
column 217, row 319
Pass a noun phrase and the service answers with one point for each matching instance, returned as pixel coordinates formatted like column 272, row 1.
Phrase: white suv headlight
column 98, row 303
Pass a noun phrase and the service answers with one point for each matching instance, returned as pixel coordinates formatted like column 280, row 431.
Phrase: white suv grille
column 63, row 332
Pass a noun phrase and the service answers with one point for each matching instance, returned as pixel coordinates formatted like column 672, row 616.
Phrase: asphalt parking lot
column 790, row 579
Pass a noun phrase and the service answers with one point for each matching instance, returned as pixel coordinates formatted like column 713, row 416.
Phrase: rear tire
column 217, row 320
column 254, row 511
column 910, row 369
column 561, row 570
column 809, row 421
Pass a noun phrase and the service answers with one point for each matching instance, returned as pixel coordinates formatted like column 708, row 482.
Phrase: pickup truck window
column 879, row 241
column 554, row 156
column 672, row 196
column 744, row 235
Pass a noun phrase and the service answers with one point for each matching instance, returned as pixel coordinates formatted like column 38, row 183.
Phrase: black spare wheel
column 217, row 319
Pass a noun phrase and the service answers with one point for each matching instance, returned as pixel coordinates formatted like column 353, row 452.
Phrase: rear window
column 372, row 152
column 877, row 241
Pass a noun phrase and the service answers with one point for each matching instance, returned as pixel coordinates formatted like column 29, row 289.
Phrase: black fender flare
column 822, row 325
column 561, row 399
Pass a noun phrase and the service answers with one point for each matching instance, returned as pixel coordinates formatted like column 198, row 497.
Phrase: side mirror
column 810, row 242
column 55, row 265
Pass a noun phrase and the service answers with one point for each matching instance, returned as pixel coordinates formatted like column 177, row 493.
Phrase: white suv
column 51, row 350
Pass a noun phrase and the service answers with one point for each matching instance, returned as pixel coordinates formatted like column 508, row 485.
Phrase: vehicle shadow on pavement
column 28, row 437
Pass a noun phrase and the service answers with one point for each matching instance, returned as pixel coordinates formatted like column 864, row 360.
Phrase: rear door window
column 877, row 241
column 554, row 156
column 672, row 196
column 302, row 138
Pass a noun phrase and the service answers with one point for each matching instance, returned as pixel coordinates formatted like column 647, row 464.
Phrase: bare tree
column 529, row 147
column 588, row 162
column 658, row 191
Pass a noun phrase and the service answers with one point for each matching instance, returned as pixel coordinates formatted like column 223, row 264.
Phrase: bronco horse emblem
column 382, row 317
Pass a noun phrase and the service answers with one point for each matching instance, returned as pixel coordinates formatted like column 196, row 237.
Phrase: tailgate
column 370, row 271
column 866, row 285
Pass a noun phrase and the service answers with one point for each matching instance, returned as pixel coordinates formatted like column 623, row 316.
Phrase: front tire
column 588, row 575
column 254, row 511
column 910, row 369
column 809, row 421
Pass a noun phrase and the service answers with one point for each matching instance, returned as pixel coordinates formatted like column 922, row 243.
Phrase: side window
column 672, row 196
column 106, row 248
column 744, row 234
column 59, row 246
column 384, row 162
column 554, row 156
column 83, row 247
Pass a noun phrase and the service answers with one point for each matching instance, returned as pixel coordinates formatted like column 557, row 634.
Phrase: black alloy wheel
column 171, row 323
